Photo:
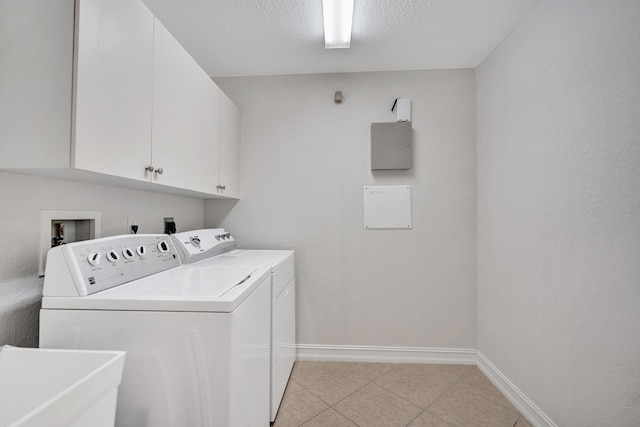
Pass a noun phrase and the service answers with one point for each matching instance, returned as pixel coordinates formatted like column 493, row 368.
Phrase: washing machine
column 217, row 247
column 197, row 338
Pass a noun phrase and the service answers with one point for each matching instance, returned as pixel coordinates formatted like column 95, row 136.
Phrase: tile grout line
column 301, row 386
column 370, row 382
column 351, row 394
column 350, row 420
column 480, row 395
column 388, row 391
column 426, row 409
column 464, row 380
column 451, row 386
column 327, row 403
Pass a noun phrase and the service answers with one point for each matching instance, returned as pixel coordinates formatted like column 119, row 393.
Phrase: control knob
column 141, row 250
column 127, row 253
column 112, row 256
column 94, row 258
column 163, row 246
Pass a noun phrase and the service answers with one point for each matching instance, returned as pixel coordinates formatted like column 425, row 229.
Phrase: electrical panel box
column 391, row 146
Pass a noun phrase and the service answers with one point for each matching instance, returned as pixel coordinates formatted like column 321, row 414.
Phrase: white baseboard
column 341, row 353
column 462, row 356
column 522, row 403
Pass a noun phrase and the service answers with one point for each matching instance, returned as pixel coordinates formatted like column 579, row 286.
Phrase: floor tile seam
column 325, row 410
column 445, row 391
column 327, row 403
column 400, row 397
column 483, row 395
column 434, row 415
column 416, row 417
column 345, row 368
column 393, row 368
column 373, row 383
column 318, row 397
column 313, row 416
column 372, row 380
column 344, row 415
column 449, row 423
column 349, row 395
column 429, row 377
column 361, row 376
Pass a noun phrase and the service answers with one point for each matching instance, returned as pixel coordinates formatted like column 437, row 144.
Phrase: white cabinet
column 229, row 176
column 186, row 118
column 114, row 88
column 79, row 91
column 100, row 91
column 36, row 69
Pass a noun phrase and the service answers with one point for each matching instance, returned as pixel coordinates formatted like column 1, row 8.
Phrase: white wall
column 558, row 154
column 23, row 197
column 305, row 161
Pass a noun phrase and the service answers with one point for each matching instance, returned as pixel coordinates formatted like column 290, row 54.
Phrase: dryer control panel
column 85, row 267
column 196, row 245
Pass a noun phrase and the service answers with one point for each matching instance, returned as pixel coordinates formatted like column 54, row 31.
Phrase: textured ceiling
column 264, row 37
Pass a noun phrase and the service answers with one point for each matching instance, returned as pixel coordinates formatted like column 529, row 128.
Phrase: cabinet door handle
column 221, row 187
column 149, row 168
column 159, row 171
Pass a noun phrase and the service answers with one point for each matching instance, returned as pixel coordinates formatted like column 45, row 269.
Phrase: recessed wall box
column 60, row 227
column 391, row 146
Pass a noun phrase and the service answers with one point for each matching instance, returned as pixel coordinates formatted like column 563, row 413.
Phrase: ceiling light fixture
column 338, row 17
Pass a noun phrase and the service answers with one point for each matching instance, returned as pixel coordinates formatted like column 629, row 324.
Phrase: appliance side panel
column 283, row 343
column 250, row 359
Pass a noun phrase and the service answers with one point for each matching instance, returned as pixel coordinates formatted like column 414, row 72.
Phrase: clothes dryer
column 217, row 247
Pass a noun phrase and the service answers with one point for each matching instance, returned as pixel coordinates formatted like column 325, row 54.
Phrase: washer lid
column 273, row 259
column 183, row 283
column 185, row 288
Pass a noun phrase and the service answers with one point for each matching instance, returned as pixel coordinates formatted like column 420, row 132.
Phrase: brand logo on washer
column 92, row 280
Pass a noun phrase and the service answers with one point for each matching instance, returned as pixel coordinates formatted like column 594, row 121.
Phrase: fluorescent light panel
column 338, row 17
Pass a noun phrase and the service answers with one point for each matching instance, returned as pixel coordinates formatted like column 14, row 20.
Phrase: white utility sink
column 43, row 387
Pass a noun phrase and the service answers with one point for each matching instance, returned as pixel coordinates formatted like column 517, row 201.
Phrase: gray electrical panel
column 391, row 145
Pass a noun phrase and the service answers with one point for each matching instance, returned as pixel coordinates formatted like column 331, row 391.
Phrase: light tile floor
column 349, row 394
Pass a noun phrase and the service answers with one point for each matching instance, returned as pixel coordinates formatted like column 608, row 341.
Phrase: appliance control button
column 112, row 256
column 163, row 246
column 218, row 237
column 127, row 253
column 141, row 250
column 228, row 235
column 195, row 241
column 94, row 258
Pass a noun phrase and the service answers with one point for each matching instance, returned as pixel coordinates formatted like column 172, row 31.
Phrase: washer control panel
column 99, row 264
column 197, row 245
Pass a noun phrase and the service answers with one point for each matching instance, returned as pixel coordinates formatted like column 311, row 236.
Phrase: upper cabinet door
column 186, row 117
column 36, row 65
column 229, row 148
column 113, row 87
